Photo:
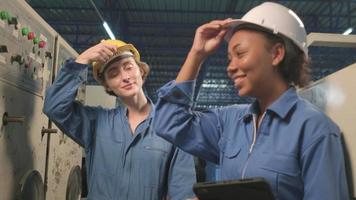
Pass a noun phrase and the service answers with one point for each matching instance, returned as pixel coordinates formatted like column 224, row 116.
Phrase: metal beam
column 175, row 11
column 331, row 40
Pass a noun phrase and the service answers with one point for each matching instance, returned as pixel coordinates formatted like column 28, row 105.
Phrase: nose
column 231, row 68
column 125, row 76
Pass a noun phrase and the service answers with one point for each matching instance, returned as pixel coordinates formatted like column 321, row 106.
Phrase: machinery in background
column 64, row 157
column 335, row 95
column 37, row 160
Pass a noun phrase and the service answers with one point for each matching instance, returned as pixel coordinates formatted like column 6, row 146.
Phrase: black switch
column 13, row 21
column 18, row 59
column 3, row 49
column 48, row 55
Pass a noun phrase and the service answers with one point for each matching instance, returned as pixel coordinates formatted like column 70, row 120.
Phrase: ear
column 141, row 71
column 278, row 53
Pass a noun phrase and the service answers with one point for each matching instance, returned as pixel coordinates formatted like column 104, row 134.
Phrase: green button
column 4, row 15
column 36, row 40
column 25, row 31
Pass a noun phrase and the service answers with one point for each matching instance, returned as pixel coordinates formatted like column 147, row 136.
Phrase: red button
column 31, row 35
column 42, row 44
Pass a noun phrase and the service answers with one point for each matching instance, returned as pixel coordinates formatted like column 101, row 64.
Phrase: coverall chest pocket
column 229, row 160
column 229, row 149
column 231, row 153
column 282, row 170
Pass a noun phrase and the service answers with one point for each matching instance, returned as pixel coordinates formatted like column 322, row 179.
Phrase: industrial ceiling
column 163, row 31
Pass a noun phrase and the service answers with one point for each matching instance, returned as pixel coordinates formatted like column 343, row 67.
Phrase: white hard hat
column 278, row 19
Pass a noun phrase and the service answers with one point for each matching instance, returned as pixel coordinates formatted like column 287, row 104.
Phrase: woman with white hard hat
column 280, row 136
column 125, row 158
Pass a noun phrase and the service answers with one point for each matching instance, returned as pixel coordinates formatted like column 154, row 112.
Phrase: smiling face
column 124, row 78
column 252, row 63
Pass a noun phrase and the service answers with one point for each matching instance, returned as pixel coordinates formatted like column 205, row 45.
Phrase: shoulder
column 315, row 115
column 314, row 123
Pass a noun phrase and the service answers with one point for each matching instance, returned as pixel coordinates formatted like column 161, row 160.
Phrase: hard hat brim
column 232, row 25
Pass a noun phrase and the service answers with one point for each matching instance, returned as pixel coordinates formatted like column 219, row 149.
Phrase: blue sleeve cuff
column 72, row 67
column 178, row 93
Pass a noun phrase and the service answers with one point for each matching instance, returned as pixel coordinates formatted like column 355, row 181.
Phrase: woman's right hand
column 208, row 37
column 100, row 53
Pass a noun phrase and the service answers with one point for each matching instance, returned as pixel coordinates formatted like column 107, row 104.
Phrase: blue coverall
column 120, row 165
column 296, row 148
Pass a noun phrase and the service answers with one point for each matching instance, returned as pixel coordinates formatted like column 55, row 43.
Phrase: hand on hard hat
column 208, row 37
column 105, row 52
column 98, row 53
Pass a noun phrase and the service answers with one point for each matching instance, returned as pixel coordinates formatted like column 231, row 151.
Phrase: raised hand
column 208, row 37
column 100, row 53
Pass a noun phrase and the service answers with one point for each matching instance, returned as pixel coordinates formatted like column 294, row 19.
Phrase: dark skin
column 252, row 65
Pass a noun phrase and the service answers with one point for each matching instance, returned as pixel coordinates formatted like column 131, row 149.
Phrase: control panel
column 26, row 47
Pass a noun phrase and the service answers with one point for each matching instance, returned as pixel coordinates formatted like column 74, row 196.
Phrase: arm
column 195, row 132
column 181, row 176
column 208, row 38
column 60, row 106
column 323, row 169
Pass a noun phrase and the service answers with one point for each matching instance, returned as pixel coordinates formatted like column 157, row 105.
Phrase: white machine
column 336, row 95
column 64, row 157
column 34, row 164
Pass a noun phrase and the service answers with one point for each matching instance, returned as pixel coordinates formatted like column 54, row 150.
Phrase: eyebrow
column 119, row 64
column 236, row 46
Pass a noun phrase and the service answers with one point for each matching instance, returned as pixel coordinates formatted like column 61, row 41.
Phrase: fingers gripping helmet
column 122, row 47
column 275, row 18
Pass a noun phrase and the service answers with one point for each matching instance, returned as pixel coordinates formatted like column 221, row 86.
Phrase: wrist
column 82, row 61
column 197, row 56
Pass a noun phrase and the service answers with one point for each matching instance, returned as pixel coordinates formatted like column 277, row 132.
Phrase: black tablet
column 243, row 189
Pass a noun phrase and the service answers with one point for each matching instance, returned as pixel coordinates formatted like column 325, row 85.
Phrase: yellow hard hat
column 98, row 67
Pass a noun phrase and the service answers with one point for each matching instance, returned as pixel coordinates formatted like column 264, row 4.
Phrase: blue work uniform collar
column 146, row 123
column 123, row 108
column 281, row 107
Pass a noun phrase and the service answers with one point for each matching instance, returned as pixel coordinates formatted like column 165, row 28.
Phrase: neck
column 137, row 104
column 271, row 93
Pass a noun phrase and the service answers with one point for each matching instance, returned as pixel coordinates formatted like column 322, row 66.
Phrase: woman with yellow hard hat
column 280, row 136
column 125, row 158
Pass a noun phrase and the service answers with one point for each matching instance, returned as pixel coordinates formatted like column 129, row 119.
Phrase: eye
column 113, row 72
column 128, row 66
column 240, row 54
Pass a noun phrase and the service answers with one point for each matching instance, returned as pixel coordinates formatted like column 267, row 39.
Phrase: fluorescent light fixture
column 348, row 31
column 108, row 30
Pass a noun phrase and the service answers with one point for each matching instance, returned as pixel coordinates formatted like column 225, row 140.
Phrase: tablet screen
column 244, row 189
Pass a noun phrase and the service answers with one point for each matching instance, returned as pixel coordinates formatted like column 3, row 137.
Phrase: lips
column 127, row 86
column 238, row 79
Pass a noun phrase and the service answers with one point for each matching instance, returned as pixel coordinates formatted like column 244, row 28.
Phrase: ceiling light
column 106, row 26
column 108, row 30
column 348, row 31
